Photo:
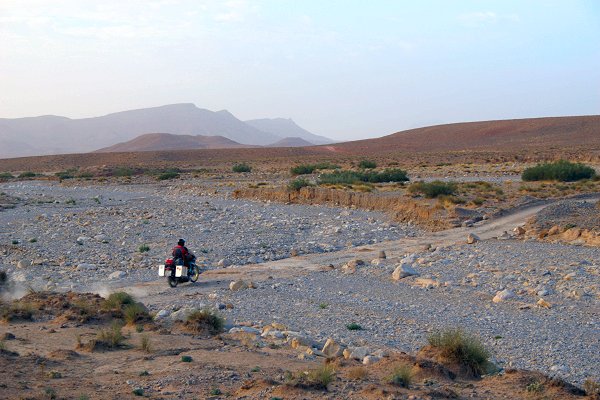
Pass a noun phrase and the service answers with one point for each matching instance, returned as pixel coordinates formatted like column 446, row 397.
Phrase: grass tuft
column 117, row 300
column 401, row 376
column 433, row 189
column 354, row 327
column 241, row 168
column 466, row 350
column 205, row 320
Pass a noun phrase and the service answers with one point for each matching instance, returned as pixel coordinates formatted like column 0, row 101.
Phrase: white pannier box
column 161, row 270
column 180, row 270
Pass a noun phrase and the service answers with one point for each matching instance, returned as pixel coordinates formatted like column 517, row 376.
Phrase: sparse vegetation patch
column 457, row 346
column 241, row 168
column 433, row 189
column 350, row 177
column 562, row 170
column 205, row 321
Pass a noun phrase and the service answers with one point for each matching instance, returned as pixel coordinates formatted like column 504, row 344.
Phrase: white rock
column 82, row 239
column 23, row 264
column 101, row 238
column 245, row 329
column 357, row 353
column 117, row 275
column 331, row 349
column 503, row 295
column 273, row 333
column 238, row 285
column 223, row 263
column 162, row 314
column 87, row 267
column 368, row 360
column 182, row 314
column 403, row 271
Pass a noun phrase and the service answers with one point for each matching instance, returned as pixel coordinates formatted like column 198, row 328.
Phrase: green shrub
column 215, row 392
column 123, row 172
column 28, row 174
column 562, row 170
column 241, row 168
column 135, row 312
column 535, row 387
column 326, row 165
column 167, row 175
column 6, row 175
column 205, row 320
column 354, row 327
column 321, row 377
column 466, row 350
column 186, row 359
column 592, row 388
column 298, row 184
column 350, row 177
column 144, row 248
column 433, row 189
column 366, row 164
column 401, row 376
column 303, row 169
column 117, row 300
column 65, row 175
column 138, row 391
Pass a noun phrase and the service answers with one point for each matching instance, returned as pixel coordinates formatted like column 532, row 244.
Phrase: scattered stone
column 505, row 236
column 117, row 275
column 238, row 285
column 356, row 353
column 382, row 255
column 331, row 349
column 223, row 263
column 519, row 231
column 543, row 303
column 87, row 267
column 403, row 271
column 368, row 360
column 162, row 314
column 503, row 296
column 472, row 238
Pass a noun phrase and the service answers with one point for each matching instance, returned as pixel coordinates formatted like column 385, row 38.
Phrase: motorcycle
column 176, row 274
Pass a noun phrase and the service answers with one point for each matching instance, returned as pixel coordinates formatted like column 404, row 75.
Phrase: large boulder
column 238, row 285
column 332, row 349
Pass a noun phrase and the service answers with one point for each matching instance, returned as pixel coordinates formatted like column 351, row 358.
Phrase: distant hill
column 167, row 141
column 485, row 135
column 287, row 128
column 291, row 142
column 59, row 135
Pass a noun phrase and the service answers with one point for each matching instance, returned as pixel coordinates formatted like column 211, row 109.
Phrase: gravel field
column 84, row 238
column 563, row 340
column 80, row 235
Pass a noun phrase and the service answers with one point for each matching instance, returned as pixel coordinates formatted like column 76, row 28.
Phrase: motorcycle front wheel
column 172, row 281
column 195, row 273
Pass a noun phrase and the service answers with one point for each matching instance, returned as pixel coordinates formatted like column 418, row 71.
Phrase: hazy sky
column 343, row 69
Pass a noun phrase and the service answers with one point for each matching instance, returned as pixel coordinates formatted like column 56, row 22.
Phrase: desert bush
column 138, row 391
column 326, row 165
column 367, row 164
column 27, row 174
column 401, row 375
column 135, row 312
column 6, row 176
column 466, row 350
column 205, row 320
column 592, row 388
column 123, row 172
column 167, row 175
column 144, row 248
column 354, row 327
column 318, row 378
column 116, row 301
column 350, row 177
column 145, row 344
column 17, row 311
column 298, row 184
column 241, row 168
column 110, row 337
column 68, row 174
column 433, row 189
column 303, row 169
column 562, row 170
column 535, row 387
column 186, row 359
column 358, row 373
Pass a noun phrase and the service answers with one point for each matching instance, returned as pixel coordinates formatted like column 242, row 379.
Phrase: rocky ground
column 535, row 305
column 74, row 236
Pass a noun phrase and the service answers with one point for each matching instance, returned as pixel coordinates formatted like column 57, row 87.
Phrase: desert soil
column 86, row 238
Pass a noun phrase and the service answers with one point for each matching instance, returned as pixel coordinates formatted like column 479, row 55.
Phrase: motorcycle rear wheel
column 172, row 281
column 195, row 273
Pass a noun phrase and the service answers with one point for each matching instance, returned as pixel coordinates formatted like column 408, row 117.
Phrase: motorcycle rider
column 182, row 254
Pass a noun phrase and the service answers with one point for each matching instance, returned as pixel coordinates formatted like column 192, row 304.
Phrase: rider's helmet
column 181, row 242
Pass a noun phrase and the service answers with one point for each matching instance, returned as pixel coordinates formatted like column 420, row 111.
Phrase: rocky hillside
column 167, row 141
